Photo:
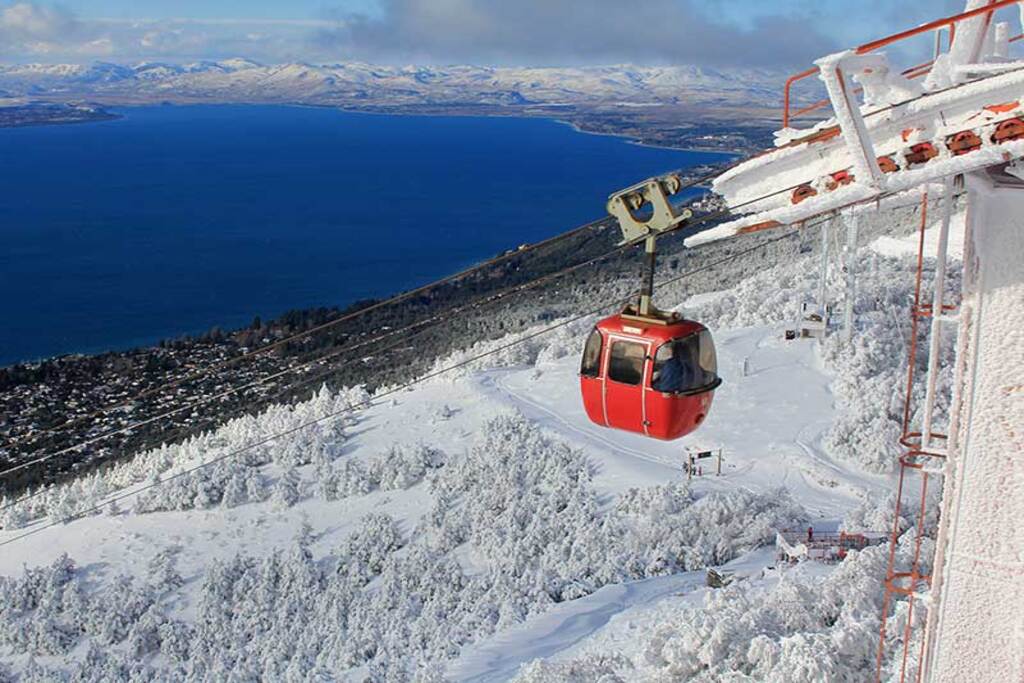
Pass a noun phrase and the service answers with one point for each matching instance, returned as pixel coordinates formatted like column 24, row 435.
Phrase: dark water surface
column 175, row 219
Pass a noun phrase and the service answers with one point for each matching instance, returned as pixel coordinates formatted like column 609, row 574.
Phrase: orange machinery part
column 1004, row 107
column 757, row 227
column 803, row 192
column 963, row 142
column 1012, row 129
column 887, row 164
column 838, row 178
column 944, row 22
column 921, row 153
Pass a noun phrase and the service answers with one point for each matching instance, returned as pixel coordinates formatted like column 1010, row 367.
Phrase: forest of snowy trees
column 514, row 526
column 399, row 604
column 796, row 627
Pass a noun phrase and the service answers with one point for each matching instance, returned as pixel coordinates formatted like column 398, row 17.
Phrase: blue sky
column 215, row 9
column 745, row 33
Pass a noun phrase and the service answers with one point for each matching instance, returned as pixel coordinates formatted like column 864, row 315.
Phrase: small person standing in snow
column 810, row 534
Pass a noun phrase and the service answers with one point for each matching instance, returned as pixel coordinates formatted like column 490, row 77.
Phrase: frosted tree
column 235, row 489
column 15, row 517
column 63, row 508
column 327, row 481
column 304, row 537
column 286, row 489
column 255, row 486
column 353, row 479
column 520, row 504
column 144, row 636
column 207, row 489
column 176, row 639
column 163, row 573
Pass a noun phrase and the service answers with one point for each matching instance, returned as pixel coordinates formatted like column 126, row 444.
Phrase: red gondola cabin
column 650, row 376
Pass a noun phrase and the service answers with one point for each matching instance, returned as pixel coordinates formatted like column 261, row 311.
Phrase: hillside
column 475, row 521
column 240, row 80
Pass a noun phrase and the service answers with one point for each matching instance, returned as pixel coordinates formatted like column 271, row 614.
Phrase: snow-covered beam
column 970, row 37
column 976, row 630
column 833, row 71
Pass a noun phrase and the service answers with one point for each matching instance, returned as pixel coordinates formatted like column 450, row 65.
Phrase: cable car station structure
column 951, row 127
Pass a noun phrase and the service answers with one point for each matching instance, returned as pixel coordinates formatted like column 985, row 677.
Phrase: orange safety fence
column 917, row 460
column 913, row 72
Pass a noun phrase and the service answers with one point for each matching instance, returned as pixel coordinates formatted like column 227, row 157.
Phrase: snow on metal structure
column 905, row 133
column 798, row 546
column 978, row 589
column 956, row 121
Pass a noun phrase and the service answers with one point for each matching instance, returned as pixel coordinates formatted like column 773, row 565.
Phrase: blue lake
column 172, row 220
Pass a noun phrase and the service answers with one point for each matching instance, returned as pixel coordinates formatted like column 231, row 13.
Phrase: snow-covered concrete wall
column 978, row 632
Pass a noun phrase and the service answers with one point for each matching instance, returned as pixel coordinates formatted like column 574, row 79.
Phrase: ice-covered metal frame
column 965, row 115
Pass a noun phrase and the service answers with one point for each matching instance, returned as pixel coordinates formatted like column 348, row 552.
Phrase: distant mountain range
column 352, row 83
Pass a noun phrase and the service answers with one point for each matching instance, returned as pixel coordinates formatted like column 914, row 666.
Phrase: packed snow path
column 768, row 422
column 562, row 627
column 558, row 632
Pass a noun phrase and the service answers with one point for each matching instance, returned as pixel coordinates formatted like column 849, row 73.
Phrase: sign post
column 693, row 456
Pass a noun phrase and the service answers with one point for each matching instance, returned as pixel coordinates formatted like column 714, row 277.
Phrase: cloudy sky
column 766, row 33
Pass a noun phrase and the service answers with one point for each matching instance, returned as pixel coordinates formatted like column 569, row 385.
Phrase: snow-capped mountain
column 244, row 80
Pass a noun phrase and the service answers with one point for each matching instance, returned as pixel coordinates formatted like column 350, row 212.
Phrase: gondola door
column 627, row 367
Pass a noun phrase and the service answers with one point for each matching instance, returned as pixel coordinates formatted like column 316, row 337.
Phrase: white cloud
column 32, row 31
column 521, row 32
column 474, row 31
column 28, row 21
column 573, row 31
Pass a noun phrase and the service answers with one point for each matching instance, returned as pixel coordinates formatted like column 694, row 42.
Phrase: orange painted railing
column 913, row 72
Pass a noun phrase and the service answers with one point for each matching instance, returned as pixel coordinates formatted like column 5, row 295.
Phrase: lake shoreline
column 77, row 384
column 94, row 206
column 33, row 115
column 356, row 346
column 591, row 120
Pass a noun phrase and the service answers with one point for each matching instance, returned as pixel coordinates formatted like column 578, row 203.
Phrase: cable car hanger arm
column 629, row 207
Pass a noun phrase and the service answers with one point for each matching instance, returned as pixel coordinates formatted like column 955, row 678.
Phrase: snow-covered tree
column 286, row 489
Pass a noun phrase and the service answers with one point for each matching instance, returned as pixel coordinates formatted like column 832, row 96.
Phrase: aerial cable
column 437, row 318
column 398, row 298
column 403, row 296
column 388, row 392
column 220, row 365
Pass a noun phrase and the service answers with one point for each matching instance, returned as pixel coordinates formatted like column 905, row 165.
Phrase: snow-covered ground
column 568, row 629
column 769, row 424
column 477, row 522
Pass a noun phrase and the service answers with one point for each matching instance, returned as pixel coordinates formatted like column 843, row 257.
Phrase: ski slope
column 451, row 471
column 559, row 633
column 769, row 424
